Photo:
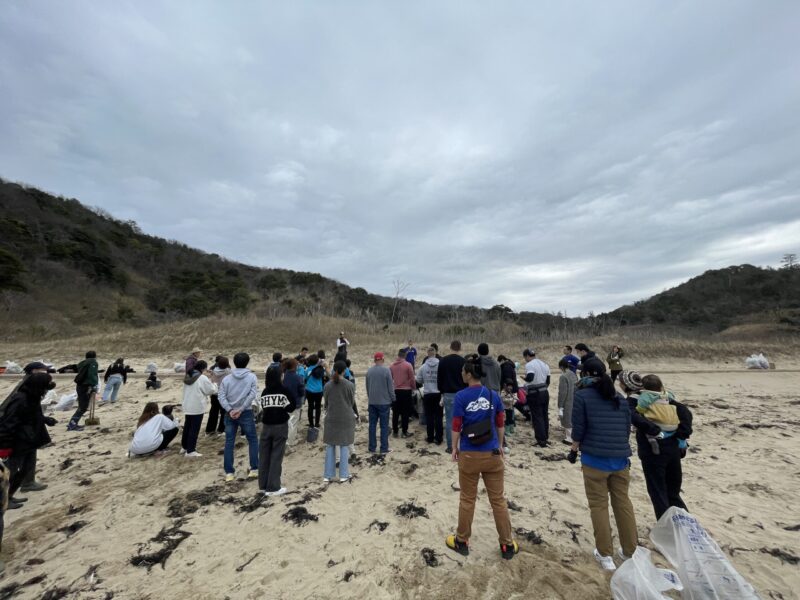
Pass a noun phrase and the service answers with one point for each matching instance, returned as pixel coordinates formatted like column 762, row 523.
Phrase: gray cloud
column 570, row 157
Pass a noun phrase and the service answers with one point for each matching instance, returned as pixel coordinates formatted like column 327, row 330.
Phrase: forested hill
column 721, row 298
column 65, row 268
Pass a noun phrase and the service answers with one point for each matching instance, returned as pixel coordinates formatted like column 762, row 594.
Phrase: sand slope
column 742, row 483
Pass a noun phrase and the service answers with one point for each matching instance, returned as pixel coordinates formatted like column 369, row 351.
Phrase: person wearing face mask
column 23, row 429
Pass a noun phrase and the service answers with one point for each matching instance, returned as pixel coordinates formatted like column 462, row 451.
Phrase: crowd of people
column 470, row 403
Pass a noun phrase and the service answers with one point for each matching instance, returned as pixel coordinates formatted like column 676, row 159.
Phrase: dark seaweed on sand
column 513, row 506
column 430, row 557
column 411, row 468
column 299, row 515
column 376, row 460
column 55, row 593
column 529, row 536
column 379, row 525
column 11, row 589
column 553, row 457
column 67, row 463
column 783, row 555
column 171, row 538
column 409, row 510
column 71, row 529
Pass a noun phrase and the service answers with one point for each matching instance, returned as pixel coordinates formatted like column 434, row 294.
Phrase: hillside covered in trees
column 65, row 268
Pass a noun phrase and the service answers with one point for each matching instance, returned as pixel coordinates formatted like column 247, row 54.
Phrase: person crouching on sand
column 154, row 432
column 478, row 430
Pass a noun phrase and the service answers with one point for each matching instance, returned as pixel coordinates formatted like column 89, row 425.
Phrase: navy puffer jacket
column 601, row 428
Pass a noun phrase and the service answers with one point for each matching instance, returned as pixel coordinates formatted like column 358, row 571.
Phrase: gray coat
column 340, row 413
column 566, row 393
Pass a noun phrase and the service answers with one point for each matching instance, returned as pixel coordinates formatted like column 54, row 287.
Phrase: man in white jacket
column 237, row 394
column 196, row 388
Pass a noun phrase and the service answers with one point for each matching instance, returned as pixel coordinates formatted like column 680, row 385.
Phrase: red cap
column 378, row 356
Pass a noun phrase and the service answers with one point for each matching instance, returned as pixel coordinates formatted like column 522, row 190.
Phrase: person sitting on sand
column 478, row 431
column 154, row 432
column 341, row 415
column 152, row 382
column 196, row 388
column 654, row 404
column 277, row 405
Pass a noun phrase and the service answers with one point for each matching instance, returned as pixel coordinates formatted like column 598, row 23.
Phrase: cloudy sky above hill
column 549, row 156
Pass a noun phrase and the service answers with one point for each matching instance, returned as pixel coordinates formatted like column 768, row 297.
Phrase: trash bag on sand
column 13, row 368
column 66, row 401
column 151, row 368
column 49, row 399
column 757, row 361
column 705, row 572
column 639, row 579
column 179, row 367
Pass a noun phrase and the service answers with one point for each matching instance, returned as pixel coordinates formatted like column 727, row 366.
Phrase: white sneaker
column 253, row 474
column 183, row 450
column 344, row 480
column 506, row 450
column 280, row 492
column 325, row 480
column 229, row 477
column 266, row 493
column 622, row 556
column 193, row 454
column 606, row 562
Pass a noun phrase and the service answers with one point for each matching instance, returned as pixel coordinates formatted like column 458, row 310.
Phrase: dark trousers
column 216, row 416
column 539, row 404
column 17, row 463
column 191, row 429
column 615, row 374
column 433, row 417
column 401, row 410
column 314, row 408
column 510, row 417
column 663, row 475
column 84, row 393
column 270, row 462
column 29, row 470
column 168, row 436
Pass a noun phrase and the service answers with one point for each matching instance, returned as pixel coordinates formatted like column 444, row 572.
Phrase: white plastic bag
column 704, row 570
column 49, row 399
column 639, row 579
column 67, row 401
column 151, row 368
column 757, row 361
column 13, row 368
column 179, row 367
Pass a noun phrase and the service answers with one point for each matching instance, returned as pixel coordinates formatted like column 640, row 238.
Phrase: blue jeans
column 248, row 424
column 112, row 387
column 379, row 412
column 447, row 400
column 330, row 461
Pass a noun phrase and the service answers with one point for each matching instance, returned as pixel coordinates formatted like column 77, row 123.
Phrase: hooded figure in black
column 23, row 426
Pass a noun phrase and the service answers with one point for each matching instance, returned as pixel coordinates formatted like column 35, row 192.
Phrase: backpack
column 318, row 372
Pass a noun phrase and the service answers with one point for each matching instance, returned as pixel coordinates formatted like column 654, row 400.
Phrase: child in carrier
column 654, row 405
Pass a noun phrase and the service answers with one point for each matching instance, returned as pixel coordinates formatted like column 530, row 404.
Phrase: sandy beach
column 103, row 512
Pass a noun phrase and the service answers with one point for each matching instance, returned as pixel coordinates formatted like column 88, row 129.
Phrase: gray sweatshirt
column 492, row 373
column 239, row 390
column 380, row 387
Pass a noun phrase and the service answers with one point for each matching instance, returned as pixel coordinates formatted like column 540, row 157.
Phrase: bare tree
column 399, row 288
column 789, row 261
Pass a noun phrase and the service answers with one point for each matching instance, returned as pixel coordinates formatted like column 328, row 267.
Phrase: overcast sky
column 569, row 156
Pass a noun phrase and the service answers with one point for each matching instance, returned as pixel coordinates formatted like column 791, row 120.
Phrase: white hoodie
column 195, row 394
column 427, row 376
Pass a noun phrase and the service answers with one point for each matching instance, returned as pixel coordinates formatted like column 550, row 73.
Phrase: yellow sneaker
column 253, row 474
column 229, row 477
column 455, row 544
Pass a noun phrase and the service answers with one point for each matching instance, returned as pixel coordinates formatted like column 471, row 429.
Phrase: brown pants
column 599, row 484
column 471, row 466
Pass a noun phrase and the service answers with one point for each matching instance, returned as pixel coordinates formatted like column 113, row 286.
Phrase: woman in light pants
column 115, row 377
column 339, row 397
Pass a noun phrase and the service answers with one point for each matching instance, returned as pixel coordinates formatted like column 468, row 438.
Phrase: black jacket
column 115, row 369
column 276, row 406
column 22, row 423
column 448, row 378
column 508, row 372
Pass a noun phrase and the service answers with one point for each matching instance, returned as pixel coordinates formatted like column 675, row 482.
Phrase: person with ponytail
column 341, row 414
column 478, row 431
column 601, row 424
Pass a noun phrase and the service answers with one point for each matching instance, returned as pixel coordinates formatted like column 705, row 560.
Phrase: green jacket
column 615, row 361
column 87, row 373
